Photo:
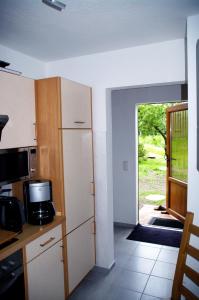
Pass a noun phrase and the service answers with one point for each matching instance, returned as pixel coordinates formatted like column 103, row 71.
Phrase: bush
column 141, row 151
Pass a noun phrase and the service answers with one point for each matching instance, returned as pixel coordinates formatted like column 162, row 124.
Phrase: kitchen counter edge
column 30, row 233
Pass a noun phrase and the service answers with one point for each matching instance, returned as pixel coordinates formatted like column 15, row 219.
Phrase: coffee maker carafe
column 39, row 208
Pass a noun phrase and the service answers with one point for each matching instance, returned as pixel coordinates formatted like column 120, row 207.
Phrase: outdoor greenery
column 152, row 179
column 151, row 152
column 180, row 165
column 152, row 120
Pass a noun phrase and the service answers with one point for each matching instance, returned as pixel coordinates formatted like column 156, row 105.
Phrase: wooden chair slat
column 192, row 274
column 193, row 229
column 192, row 251
column 188, row 294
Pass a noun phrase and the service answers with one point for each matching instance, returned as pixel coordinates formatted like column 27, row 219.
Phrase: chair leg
column 178, row 277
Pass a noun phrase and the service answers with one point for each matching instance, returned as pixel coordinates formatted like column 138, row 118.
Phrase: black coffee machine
column 38, row 203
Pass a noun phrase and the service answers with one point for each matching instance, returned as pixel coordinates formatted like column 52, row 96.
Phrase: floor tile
column 163, row 269
column 139, row 264
column 147, row 297
column 113, row 275
column 168, row 256
column 151, row 245
column 89, row 290
column 132, row 280
column 121, row 259
column 96, row 274
column 125, row 246
column 146, row 252
column 171, row 248
column 159, row 287
column 118, row 293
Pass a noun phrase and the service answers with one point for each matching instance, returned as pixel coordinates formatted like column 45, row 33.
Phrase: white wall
column 124, row 106
column 29, row 66
column 193, row 173
column 151, row 64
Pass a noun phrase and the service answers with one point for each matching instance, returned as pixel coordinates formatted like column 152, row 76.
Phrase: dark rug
column 156, row 236
column 166, row 223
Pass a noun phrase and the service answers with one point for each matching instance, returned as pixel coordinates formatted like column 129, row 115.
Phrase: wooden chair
column 181, row 267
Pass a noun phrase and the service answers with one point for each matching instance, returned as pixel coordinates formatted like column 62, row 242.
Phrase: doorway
column 162, row 161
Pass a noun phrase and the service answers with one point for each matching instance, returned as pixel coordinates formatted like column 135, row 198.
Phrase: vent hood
column 3, row 120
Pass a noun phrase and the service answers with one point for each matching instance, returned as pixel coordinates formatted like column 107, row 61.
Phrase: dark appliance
column 39, row 208
column 17, row 164
column 12, row 277
column 11, row 214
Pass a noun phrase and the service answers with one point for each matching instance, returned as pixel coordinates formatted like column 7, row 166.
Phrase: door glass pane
column 179, row 145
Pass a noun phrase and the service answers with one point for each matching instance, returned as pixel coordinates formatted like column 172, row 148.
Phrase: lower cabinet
column 45, row 272
column 80, row 253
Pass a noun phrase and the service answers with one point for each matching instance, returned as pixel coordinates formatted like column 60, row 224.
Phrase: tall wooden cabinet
column 64, row 133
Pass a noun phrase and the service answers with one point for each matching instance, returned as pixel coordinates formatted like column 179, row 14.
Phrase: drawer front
column 42, row 243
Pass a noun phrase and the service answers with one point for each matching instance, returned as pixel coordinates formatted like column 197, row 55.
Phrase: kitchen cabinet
column 18, row 102
column 81, row 249
column 76, row 104
column 64, row 135
column 45, row 269
column 78, row 177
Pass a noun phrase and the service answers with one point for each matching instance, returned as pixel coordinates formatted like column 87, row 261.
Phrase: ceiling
column 90, row 26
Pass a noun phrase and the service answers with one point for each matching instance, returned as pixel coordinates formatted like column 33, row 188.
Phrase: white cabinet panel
column 78, row 177
column 46, row 275
column 81, row 253
column 76, row 105
column 17, row 100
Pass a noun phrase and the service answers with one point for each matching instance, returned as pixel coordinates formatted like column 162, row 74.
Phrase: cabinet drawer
column 42, row 243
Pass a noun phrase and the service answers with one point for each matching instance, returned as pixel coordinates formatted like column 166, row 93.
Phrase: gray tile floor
column 142, row 271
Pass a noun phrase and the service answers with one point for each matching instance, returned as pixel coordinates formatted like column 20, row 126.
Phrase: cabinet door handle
column 47, row 242
column 79, row 122
column 35, row 126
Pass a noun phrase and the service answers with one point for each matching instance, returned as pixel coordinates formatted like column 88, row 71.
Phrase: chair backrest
column 181, row 267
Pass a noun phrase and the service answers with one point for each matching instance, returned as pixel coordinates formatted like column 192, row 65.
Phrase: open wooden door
column 177, row 160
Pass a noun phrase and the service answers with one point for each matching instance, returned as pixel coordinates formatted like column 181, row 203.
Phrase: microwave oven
column 17, row 164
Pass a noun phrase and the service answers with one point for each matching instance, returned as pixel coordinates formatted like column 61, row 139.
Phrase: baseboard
column 105, row 270
column 125, row 225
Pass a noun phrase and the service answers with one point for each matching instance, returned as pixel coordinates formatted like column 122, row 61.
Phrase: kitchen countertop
column 29, row 233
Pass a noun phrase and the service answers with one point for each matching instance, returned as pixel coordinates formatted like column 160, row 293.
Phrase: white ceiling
column 90, row 26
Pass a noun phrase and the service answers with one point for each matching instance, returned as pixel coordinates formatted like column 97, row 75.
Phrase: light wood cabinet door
column 81, row 253
column 78, row 177
column 17, row 100
column 76, row 105
column 45, row 275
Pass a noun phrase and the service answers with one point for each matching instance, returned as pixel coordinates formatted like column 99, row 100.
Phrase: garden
column 152, row 153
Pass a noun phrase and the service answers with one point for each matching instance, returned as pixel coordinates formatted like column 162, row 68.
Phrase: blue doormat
column 156, row 236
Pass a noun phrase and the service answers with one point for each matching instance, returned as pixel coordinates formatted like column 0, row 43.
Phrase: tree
column 152, row 120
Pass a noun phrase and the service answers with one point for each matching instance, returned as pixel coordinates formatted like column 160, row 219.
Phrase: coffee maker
column 38, row 202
